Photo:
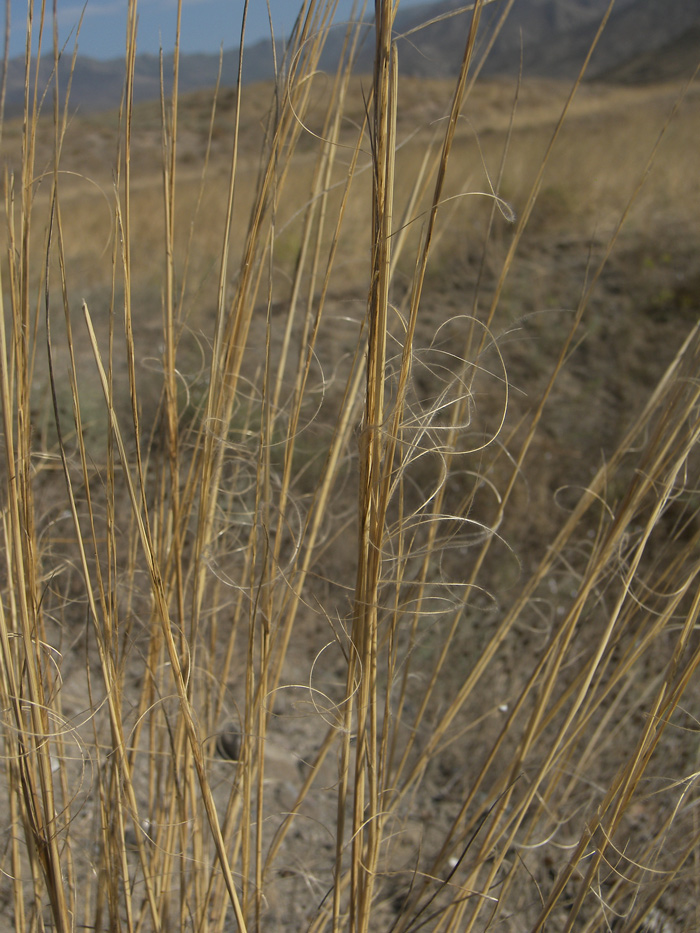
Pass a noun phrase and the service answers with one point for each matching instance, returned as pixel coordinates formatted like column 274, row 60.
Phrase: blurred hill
column 673, row 60
column 644, row 41
column 551, row 37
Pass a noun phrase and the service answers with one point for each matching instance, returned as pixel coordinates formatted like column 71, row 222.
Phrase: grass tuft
column 349, row 562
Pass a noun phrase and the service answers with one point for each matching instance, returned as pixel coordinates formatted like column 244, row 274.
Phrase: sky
column 206, row 24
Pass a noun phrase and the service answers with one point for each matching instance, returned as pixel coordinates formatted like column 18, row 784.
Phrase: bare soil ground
column 646, row 300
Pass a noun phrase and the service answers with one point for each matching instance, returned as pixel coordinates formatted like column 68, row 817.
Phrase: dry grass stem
column 350, row 522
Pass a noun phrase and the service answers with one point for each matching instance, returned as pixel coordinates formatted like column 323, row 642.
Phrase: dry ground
column 645, row 302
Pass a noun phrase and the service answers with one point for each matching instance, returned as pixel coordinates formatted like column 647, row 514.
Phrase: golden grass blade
column 295, row 630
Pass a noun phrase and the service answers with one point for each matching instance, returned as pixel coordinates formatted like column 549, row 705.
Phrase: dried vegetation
column 350, row 506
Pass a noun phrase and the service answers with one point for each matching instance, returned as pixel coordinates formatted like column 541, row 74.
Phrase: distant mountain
column 98, row 85
column 554, row 36
column 645, row 40
column 538, row 28
column 674, row 60
column 635, row 28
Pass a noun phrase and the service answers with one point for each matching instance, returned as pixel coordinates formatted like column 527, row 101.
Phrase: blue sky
column 206, row 24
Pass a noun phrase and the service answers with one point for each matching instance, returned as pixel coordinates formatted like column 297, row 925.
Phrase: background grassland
column 392, row 480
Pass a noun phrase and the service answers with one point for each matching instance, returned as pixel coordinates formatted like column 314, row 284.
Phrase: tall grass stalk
column 263, row 662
